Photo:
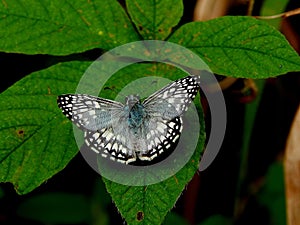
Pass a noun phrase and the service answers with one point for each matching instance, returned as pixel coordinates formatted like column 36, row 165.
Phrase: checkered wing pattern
column 174, row 99
column 102, row 121
column 164, row 109
column 89, row 112
column 107, row 130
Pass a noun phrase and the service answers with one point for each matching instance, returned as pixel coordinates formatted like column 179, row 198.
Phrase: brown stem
column 281, row 15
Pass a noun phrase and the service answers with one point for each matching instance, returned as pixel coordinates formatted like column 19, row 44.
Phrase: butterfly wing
column 104, row 123
column 109, row 145
column 174, row 99
column 164, row 108
column 118, row 143
column 89, row 112
column 160, row 135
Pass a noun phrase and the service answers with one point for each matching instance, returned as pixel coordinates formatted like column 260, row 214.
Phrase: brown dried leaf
column 292, row 172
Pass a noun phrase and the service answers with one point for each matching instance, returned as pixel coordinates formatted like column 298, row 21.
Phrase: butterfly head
column 132, row 100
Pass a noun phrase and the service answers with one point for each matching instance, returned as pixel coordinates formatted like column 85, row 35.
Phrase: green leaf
column 37, row 140
column 239, row 47
column 56, row 208
column 63, row 27
column 154, row 19
column 150, row 204
column 137, row 71
column 147, row 204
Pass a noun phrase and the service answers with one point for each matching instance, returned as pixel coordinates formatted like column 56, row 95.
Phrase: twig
column 281, row 15
column 250, row 7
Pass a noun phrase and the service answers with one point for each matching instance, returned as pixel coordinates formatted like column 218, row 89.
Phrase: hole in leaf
column 20, row 133
column 140, row 216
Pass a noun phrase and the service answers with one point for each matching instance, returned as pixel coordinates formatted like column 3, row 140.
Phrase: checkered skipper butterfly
column 135, row 131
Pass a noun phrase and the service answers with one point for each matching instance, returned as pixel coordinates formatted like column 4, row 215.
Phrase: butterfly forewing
column 174, row 99
column 89, row 112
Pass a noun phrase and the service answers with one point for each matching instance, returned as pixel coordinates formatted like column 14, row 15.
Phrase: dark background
column 212, row 191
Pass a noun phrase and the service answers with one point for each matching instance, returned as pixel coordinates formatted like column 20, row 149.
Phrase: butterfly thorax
column 135, row 110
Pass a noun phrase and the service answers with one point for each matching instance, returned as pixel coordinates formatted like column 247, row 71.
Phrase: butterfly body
column 135, row 131
column 135, row 110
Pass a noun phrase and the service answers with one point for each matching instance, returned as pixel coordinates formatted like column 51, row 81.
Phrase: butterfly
column 137, row 131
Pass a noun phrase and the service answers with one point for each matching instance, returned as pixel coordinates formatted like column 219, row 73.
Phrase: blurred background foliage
column 245, row 183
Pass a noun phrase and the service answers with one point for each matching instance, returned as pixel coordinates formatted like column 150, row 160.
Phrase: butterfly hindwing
column 108, row 145
column 161, row 136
